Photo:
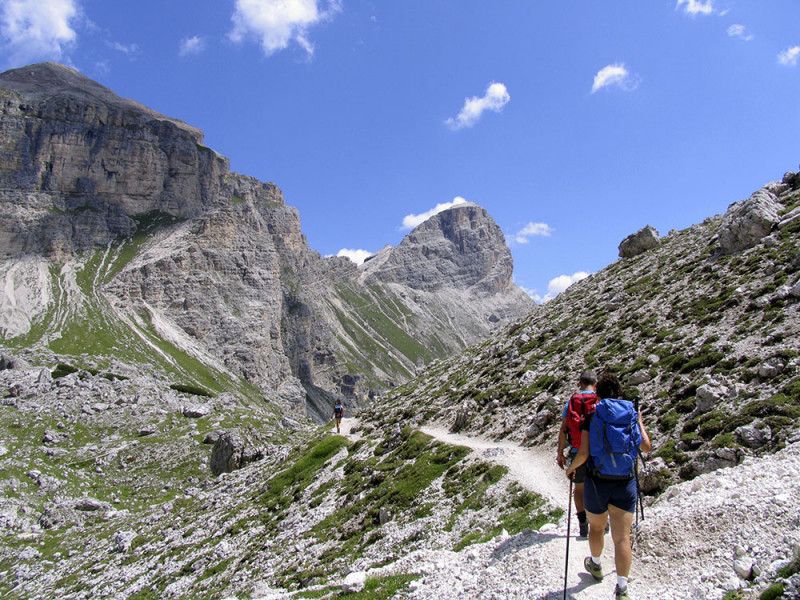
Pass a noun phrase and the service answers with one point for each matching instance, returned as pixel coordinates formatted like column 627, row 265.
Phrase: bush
column 772, row 592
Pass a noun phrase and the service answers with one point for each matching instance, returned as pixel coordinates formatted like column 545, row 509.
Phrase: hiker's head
column 588, row 379
column 609, row 386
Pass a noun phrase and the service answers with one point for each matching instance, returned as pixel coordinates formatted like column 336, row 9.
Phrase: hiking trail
column 536, row 469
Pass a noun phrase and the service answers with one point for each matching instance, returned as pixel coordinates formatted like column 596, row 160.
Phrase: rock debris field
column 699, row 540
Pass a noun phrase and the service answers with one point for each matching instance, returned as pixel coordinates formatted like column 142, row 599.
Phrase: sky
column 573, row 123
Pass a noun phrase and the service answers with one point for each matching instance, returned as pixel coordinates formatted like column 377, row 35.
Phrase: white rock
column 354, row 582
column 743, row 567
column 123, row 540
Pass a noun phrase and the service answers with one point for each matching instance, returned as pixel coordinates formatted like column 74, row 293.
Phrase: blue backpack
column 614, row 439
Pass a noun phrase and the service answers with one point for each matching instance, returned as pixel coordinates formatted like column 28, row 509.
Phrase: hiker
column 579, row 405
column 338, row 414
column 611, row 438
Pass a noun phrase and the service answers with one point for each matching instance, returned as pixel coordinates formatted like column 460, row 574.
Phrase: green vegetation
column 772, row 592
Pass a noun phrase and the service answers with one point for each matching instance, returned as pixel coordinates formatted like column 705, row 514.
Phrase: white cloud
column 616, row 74
column 495, row 99
column 557, row 285
column 192, row 45
column 411, row 221
column 788, row 58
column 532, row 229
column 697, row 7
column 357, row 256
column 277, row 23
column 37, row 29
column 129, row 50
column 740, row 32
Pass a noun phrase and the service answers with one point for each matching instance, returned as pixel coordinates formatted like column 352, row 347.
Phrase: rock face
column 747, row 222
column 95, row 160
column 213, row 263
column 637, row 243
column 461, row 248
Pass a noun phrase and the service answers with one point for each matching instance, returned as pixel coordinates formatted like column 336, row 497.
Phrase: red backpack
column 580, row 405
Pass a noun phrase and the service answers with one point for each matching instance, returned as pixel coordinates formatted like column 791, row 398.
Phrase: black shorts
column 599, row 493
column 580, row 473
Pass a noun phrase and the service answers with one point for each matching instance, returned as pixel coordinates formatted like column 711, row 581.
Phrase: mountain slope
column 116, row 222
column 703, row 326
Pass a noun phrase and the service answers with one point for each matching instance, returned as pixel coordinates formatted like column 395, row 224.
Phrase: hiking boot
column 594, row 570
column 583, row 529
column 621, row 594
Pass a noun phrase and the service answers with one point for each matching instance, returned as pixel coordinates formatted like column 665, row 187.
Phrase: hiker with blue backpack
column 611, row 438
column 338, row 414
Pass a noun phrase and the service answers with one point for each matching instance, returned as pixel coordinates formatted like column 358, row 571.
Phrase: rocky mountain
column 118, row 222
column 702, row 325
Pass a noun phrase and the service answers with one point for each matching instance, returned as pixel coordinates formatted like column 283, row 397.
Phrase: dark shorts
column 599, row 493
column 580, row 472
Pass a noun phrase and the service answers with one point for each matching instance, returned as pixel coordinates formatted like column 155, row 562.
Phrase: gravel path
column 540, row 556
column 694, row 540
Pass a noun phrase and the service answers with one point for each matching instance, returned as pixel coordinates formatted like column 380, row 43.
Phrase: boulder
column 123, row 541
column 8, row 362
column 796, row 290
column 772, row 367
column 196, row 411
column 354, row 583
column 653, row 476
column 212, row 437
column 462, row 416
column 747, row 222
column 91, row 505
column 754, row 435
column 743, row 567
column 637, row 243
column 640, row 377
column 233, row 450
column 709, row 395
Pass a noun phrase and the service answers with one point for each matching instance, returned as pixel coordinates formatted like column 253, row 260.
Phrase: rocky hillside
column 702, row 325
column 117, row 222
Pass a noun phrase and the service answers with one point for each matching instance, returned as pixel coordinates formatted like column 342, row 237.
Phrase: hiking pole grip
column 569, row 518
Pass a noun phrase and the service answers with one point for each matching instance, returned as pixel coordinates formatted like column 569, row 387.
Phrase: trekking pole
column 569, row 518
column 638, row 488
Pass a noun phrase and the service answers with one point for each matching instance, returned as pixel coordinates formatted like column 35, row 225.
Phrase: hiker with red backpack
column 578, row 406
column 611, row 439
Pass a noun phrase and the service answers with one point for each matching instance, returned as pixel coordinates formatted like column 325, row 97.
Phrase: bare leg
column 597, row 525
column 621, row 521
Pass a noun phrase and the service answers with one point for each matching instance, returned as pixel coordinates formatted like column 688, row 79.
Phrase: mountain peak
column 462, row 247
column 49, row 81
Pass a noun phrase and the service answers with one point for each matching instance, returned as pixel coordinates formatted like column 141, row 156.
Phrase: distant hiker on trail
column 578, row 406
column 338, row 414
column 611, row 438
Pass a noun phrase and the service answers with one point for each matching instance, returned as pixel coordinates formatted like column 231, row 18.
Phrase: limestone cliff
column 116, row 222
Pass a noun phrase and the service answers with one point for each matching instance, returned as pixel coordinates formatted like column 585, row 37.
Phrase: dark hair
column 609, row 386
column 588, row 378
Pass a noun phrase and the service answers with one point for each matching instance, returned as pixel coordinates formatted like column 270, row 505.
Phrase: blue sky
column 573, row 123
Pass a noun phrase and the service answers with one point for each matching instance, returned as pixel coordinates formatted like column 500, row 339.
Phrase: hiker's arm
column 562, row 442
column 645, row 445
column 582, row 456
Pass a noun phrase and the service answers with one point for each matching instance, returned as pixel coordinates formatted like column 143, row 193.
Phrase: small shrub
column 772, row 592
column 191, row 389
